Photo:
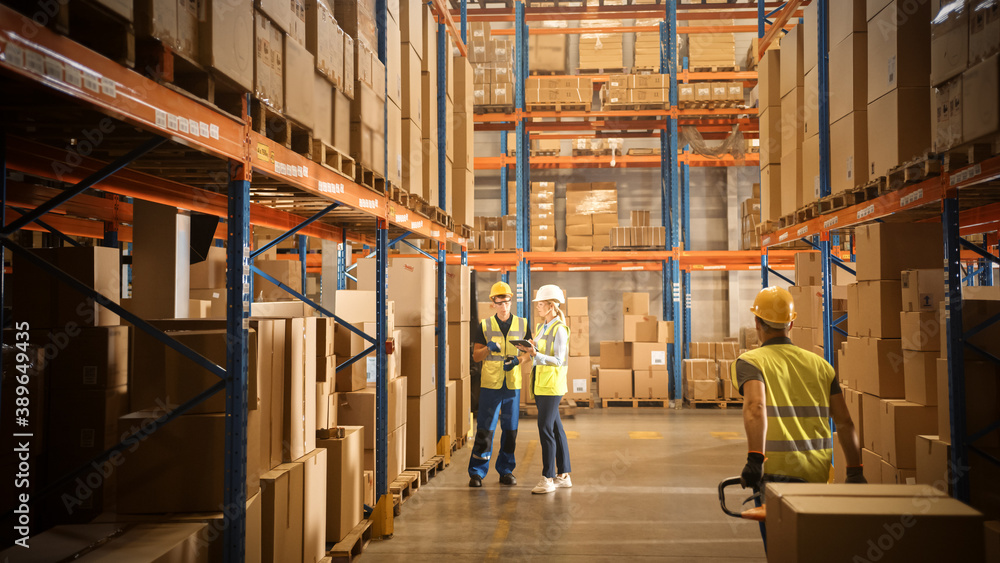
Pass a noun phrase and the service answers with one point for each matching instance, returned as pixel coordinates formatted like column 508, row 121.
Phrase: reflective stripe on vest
column 797, row 390
column 550, row 380
column 493, row 374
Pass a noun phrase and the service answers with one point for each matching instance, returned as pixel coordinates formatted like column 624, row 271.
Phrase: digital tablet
column 524, row 343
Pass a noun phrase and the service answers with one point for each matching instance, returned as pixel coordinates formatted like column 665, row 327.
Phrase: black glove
column 493, row 347
column 856, row 475
column 510, row 363
column 753, row 470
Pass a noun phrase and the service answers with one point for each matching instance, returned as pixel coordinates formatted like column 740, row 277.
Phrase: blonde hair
column 559, row 311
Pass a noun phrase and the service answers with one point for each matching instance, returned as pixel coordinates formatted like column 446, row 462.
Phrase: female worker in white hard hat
column 550, row 354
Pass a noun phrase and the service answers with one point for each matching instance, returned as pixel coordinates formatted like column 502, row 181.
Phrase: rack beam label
column 803, row 231
column 782, row 237
column 579, row 268
column 870, row 210
column 633, row 268
column 830, row 222
column 264, row 153
column 373, row 204
column 966, row 174
column 912, row 198
column 330, row 187
column 405, row 217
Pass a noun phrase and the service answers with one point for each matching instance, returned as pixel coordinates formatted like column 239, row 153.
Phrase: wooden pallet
column 644, row 70
column 428, row 469
column 582, row 403
column 464, row 231
column 732, row 68
column 418, row 205
column 331, row 157
column 459, row 442
column 536, row 152
column 398, row 195
column 636, row 107
column 916, row 170
column 403, row 485
column 970, row 153
column 635, row 403
column 606, row 70
column 558, row 106
column 876, row 187
column 272, row 124
column 493, row 108
column 786, row 220
column 807, row 212
column 644, row 152
column 716, row 403
column 185, row 75
column 591, row 152
column 353, row 544
column 370, row 179
column 833, row 202
column 536, row 72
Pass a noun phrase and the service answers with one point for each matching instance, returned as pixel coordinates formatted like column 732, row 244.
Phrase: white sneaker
column 563, row 481
column 546, row 485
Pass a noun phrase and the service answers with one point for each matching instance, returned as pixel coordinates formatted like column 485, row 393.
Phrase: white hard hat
column 549, row 293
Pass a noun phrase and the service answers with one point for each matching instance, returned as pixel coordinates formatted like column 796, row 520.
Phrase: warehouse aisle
column 644, row 487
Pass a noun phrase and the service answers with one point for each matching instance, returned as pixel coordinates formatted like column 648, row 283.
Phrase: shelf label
column 533, row 269
column 633, row 268
column 53, row 69
column 912, row 198
column 192, row 127
column 264, row 153
column 91, row 82
column 14, row 55
column 967, row 174
column 451, row 235
column 415, row 224
column 870, row 210
column 435, row 234
column 108, row 87
column 74, row 77
column 330, row 187
column 579, row 268
column 213, row 131
column 719, row 267
column 367, row 203
column 203, row 128
column 405, row 217
column 753, row 267
column 161, row 118
column 171, row 122
column 803, row 231
column 782, row 237
column 831, row 222
column 182, row 125
column 34, row 62
column 767, row 240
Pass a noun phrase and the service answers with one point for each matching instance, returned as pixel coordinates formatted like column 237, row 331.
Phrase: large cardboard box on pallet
column 651, row 383
column 980, row 108
column 899, row 48
column 344, row 492
column 809, row 179
column 848, row 62
column 614, row 383
column 894, row 135
column 226, row 37
column 770, row 136
column 884, row 250
column 269, row 63
column 791, row 195
column 792, row 59
column 849, row 17
column 45, row 302
column 419, row 360
column 770, row 192
column 578, row 378
column 769, row 81
column 849, row 152
column 421, row 428
column 900, row 423
column 299, row 100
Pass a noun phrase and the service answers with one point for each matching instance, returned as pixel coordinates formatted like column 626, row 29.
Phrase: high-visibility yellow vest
column 797, row 384
column 492, row 372
column 550, row 380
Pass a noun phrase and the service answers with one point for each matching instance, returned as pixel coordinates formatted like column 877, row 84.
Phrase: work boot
column 508, row 479
column 475, row 482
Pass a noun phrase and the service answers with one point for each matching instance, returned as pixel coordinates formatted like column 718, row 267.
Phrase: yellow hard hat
column 500, row 288
column 774, row 305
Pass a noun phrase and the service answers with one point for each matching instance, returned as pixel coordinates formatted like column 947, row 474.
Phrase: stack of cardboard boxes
column 771, row 134
column 749, row 219
column 640, row 235
column 333, row 79
column 711, row 50
column 550, row 91
column 495, row 233
column 963, row 72
column 591, row 213
column 578, row 377
column 459, row 349
column 647, row 47
column 636, row 367
column 492, row 67
column 462, row 179
column 600, row 51
column 874, row 364
column 794, row 114
column 412, row 104
column 707, row 372
column 635, row 89
column 807, row 332
column 542, row 208
column 720, row 94
column 848, row 60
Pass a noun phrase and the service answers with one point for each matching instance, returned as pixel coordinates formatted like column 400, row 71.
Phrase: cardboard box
column 796, row 522
column 849, row 17
column 616, row 355
column 418, row 358
column 770, row 136
column 45, row 302
column 882, row 249
column 701, row 390
column 892, row 475
column 980, row 108
column 314, row 474
column 894, row 137
column 413, row 284
column 900, row 423
column 947, row 115
column 769, row 80
column 984, row 31
column 882, row 303
column 421, row 428
column 770, row 199
column 872, row 469
column 933, row 458
column 882, row 363
column 982, row 406
column 849, row 152
column 578, row 378
column 949, row 43
column 701, row 370
column 791, row 169
column 576, row 307
column 920, row 372
column 848, row 61
column 299, row 101
column 920, row 331
column 635, row 303
column 792, row 61
column 459, row 347
column 702, row 350
column 898, row 49
column 614, row 383
column 871, row 419
column 344, row 490
column 651, row 383
column 646, row 355
column 225, row 36
column 793, row 121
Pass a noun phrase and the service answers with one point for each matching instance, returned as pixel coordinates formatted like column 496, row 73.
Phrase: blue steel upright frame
column 442, row 313
column 669, row 187
column 523, row 162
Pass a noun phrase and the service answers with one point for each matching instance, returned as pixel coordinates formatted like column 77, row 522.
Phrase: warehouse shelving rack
column 937, row 198
column 674, row 262
column 171, row 145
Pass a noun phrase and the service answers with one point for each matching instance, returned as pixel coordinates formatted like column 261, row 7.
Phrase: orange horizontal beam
column 642, row 11
column 626, row 161
column 605, row 114
column 684, row 30
column 73, row 226
column 444, row 15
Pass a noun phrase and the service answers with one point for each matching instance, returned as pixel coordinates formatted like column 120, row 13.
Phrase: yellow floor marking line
column 727, row 435
column 510, row 507
column 636, row 435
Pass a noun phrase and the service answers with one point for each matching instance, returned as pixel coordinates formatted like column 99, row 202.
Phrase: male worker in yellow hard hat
column 500, row 393
column 789, row 394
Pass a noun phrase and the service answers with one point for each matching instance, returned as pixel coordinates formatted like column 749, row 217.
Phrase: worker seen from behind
column 789, row 394
column 500, row 392
column 550, row 355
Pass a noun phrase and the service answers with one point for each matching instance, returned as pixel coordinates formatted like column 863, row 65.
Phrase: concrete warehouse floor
column 644, row 487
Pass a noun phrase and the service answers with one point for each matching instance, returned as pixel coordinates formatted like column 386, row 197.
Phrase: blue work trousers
column 504, row 404
column 555, row 449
